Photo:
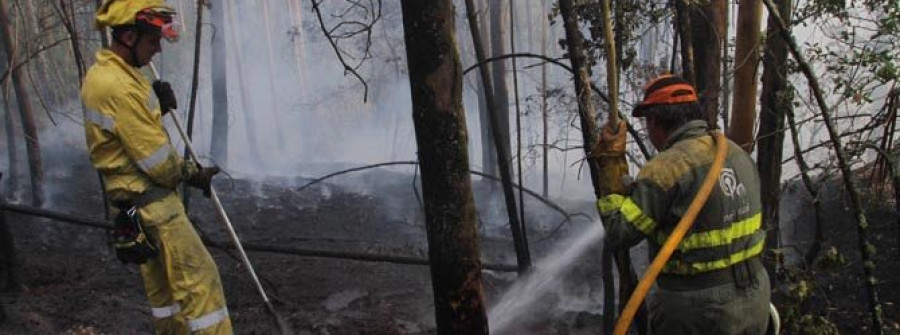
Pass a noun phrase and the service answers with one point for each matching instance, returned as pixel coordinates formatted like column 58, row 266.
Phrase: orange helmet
column 665, row 90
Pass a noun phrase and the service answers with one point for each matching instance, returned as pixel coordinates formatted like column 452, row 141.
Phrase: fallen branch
column 477, row 173
column 95, row 223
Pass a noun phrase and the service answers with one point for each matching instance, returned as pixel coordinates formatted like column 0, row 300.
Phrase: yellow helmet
column 123, row 12
column 152, row 14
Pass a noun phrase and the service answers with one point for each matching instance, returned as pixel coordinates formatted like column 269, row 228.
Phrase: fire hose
column 223, row 216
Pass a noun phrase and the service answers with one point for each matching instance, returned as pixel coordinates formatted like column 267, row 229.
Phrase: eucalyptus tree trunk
column 435, row 78
column 776, row 102
column 707, row 28
column 746, row 63
column 23, row 100
column 499, row 42
column 684, row 28
column 488, row 151
column 219, row 74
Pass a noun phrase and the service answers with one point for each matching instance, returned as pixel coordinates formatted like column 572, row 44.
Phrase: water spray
column 223, row 216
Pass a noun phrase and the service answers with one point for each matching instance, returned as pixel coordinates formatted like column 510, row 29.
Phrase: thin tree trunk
column 499, row 41
column 512, row 48
column 523, row 256
column 219, row 74
column 683, row 26
column 776, row 100
column 746, row 62
column 270, row 53
column 7, row 255
column 488, row 151
column 195, row 74
column 11, row 146
column 249, row 121
column 708, row 25
column 865, row 247
column 544, row 113
column 819, row 236
column 436, row 84
column 29, row 125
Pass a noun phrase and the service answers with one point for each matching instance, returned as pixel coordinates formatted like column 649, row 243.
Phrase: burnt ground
column 70, row 281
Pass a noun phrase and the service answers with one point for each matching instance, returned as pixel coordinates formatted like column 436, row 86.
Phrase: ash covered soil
column 70, row 281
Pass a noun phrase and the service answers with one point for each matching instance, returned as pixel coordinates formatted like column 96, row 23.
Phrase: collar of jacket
column 691, row 129
column 109, row 58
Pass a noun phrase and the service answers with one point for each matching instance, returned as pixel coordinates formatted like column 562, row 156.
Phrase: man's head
column 137, row 27
column 669, row 102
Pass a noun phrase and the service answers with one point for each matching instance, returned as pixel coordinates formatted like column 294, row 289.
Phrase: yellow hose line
column 674, row 239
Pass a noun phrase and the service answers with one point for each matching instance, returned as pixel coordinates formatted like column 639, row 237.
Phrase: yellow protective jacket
column 127, row 141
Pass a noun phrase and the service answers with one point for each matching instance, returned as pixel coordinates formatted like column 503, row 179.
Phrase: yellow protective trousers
column 182, row 283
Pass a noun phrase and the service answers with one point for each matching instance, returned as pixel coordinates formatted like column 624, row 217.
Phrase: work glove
column 165, row 96
column 609, row 155
column 202, row 179
column 611, row 143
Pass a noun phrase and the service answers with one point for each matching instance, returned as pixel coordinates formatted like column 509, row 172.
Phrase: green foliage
column 801, row 310
column 628, row 17
column 861, row 45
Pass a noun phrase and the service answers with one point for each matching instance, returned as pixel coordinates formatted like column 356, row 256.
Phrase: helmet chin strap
column 133, row 48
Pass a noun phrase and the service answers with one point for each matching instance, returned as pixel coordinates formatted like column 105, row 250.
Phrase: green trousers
column 723, row 309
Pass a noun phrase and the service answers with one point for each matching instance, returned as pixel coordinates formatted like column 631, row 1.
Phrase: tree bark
column 488, row 151
column 746, row 62
column 775, row 102
column 7, row 255
column 707, row 27
column 587, row 115
column 683, row 26
column 545, row 148
column 219, row 74
column 435, row 78
column 523, row 256
column 29, row 125
column 499, row 42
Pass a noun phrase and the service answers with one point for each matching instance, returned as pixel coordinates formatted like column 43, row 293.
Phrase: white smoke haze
column 286, row 86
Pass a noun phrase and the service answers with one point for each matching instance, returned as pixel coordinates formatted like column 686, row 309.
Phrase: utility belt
column 132, row 244
column 742, row 275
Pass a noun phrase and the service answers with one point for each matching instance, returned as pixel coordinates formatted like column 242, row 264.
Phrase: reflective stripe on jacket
column 727, row 229
column 126, row 140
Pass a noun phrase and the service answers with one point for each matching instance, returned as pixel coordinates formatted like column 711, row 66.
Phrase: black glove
column 203, row 179
column 165, row 96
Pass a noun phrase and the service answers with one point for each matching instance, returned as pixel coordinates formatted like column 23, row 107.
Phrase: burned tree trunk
column 775, row 102
column 29, row 125
column 707, row 26
column 7, row 256
column 219, row 142
column 435, row 78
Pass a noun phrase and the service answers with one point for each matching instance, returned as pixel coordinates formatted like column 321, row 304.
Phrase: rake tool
column 220, row 210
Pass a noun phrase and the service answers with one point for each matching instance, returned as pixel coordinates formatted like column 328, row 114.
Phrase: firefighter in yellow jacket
column 130, row 147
